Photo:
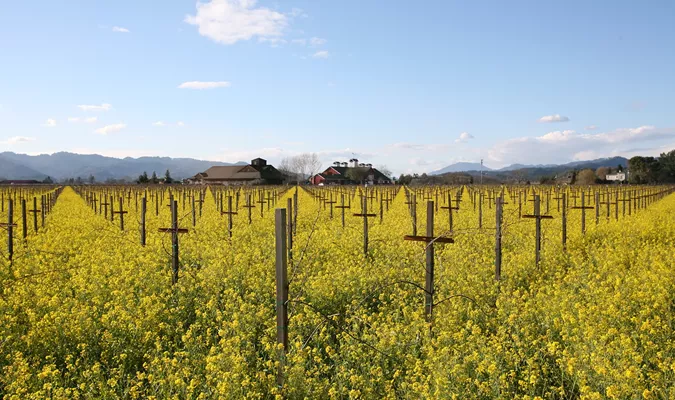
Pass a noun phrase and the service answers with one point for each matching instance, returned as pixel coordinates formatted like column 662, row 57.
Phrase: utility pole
column 481, row 171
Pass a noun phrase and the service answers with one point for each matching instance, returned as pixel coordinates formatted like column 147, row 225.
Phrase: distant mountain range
column 65, row 165
column 593, row 164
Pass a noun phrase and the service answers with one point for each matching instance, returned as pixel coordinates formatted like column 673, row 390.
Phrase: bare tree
column 286, row 168
column 301, row 166
column 586, row 177
column 602, row 172
column 384, row 170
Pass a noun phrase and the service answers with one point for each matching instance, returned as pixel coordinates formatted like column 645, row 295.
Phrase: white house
column 619, row 176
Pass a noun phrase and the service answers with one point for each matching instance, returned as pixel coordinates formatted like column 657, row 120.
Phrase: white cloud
column 110, row 129
column 120, row 29
column 102, row 107
column 274, row 42
column 18, row 139
column 316, row 41
column 321, row 54
column 591, row 127
column 300, row 42
column 162, row 124
column 88, row 120
column 203, row 85
column 464, row 137
column 50, row 123
column 567, row 145
column 229, row 21
column 554, row 118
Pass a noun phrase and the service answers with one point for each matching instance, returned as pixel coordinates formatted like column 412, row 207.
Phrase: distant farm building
column 618, row 177
column 342, row 173
column 256, row 173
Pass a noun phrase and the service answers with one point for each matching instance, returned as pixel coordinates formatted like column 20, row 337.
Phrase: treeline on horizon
column 641, row 170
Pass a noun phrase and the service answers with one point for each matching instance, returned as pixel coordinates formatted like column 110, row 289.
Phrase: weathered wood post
column 10, row 228
column 24, row 225
column 35, row 212
column 429, row 278
column 564, row 221
column 112, row 209
column 289, row 228
column 43, row 209
column 121, row 212
column 194, row 210
column 365, row 225
column 414, row 213
column 144, row 205
column 249, row 206
column 342, row 207
column 537, row 217
column 295, row 212
column 498, row 238
column 174, row 241
column 537, row 225
column 229, row 213
column 429, row 256
column 597, row 209
column 281, row 291
column 480, row 210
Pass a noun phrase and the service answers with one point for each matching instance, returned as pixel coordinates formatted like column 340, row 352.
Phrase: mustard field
column 88, row 312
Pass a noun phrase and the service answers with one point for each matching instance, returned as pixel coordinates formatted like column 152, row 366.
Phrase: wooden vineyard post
column 342, row 208
column 597, row 210
column 10, row 228
column 34, row 211
column 429, row 276
column 174, row 230
column 43, row 210
column 583, row 209
column 364, row 214
column 331, row 202
column 450, row 208
column 229, row 213
column 498, row 238
column 24, row 225
column 480, row 211
column 429, row 259
column 564, row 221
column 537, row 217
column 144, row 209
column 281, row 291
column 194, row 211
column 121, row 212
column 413, row 208
column 537, row 213
column 261, row 201
column 249, row 206
column 289, row 228
column 112, row 209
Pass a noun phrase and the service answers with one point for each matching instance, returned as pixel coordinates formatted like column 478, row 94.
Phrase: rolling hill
column 65, row 165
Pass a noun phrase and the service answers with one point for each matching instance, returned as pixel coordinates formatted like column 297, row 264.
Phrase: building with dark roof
column 258, row 172
column 354, row 173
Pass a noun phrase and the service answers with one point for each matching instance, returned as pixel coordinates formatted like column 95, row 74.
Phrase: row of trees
column 653, row 170
column 143, row 178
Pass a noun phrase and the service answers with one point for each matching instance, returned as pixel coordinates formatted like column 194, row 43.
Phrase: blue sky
column 411, row 85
